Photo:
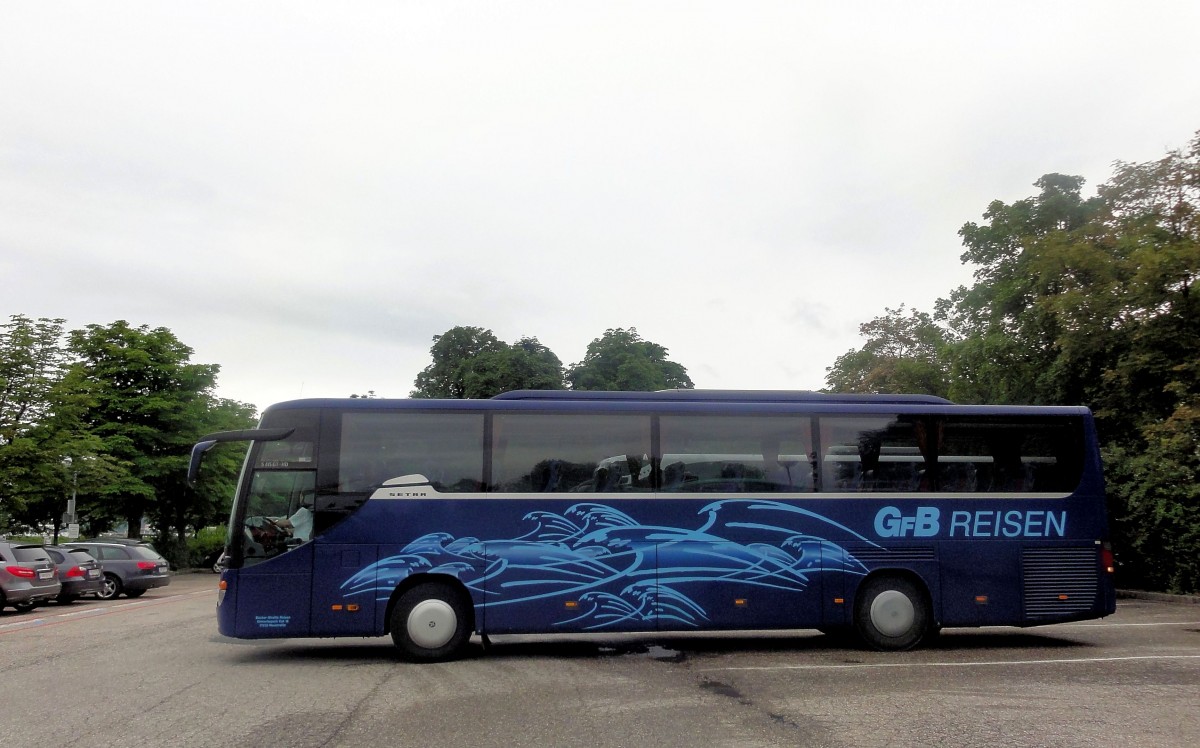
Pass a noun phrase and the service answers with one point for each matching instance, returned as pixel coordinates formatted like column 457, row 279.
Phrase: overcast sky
column 307, row 193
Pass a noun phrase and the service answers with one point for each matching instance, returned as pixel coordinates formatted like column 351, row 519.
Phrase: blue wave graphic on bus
column 590, row 546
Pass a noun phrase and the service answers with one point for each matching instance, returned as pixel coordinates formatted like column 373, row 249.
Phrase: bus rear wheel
column 431, row 622
column 892, row 613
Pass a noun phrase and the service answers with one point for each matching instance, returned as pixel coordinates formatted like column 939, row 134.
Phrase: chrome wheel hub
column 892, row 613
column 431, row 624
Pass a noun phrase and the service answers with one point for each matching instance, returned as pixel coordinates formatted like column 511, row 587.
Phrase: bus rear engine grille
column 1059, row 582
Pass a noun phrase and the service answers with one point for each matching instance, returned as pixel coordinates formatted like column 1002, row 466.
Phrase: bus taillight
column 1107, row 559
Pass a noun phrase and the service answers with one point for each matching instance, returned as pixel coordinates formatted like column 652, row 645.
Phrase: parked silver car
column 79, row 573
column 27, row 576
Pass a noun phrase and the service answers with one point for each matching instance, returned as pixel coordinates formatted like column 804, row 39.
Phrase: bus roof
column 690, row 401
column 728, row 396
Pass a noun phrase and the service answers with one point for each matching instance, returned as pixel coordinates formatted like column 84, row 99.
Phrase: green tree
column 1089, row 301
column 903, row 354
column 32, row 361
column 210, row 501
column 1153, row 226
column 622, row 360
column 108, row 417
column 1154, row 494
column 1008, row 346
column 29, row 356
column 38, row 421
column 525, row 365
column 453, row 353
column 473, row 362
column 60, row 464
column 1149, row 398
column 146, row 405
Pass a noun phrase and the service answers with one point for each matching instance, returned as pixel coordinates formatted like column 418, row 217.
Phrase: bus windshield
column 278, row 512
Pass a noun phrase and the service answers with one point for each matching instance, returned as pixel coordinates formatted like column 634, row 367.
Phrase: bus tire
column 431, row 622
column 891, row 613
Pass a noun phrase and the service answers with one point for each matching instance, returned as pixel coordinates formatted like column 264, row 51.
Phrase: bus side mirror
column 198, row 455
column 247, row 435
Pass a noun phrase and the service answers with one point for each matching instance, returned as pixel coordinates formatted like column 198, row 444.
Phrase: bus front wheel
column 891, row 613
column 431, row 622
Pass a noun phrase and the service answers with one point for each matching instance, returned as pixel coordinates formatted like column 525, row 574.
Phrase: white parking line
column 96, row 610
column 82, row 612
column 1098, row 625
column 1076, row 625
column 987, row 663
column 30, row 622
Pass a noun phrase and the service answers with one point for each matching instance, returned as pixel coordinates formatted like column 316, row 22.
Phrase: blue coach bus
column 683, row 510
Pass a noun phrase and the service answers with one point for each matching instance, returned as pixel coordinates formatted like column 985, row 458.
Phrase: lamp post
column 69, row 518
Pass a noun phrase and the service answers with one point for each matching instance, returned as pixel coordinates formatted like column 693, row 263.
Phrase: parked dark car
column 79, row 573
column 214, row 560
column 27, row 576
column 129, row 567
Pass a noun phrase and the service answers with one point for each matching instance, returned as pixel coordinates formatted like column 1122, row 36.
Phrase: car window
column 141, row 551
column 112, row 553
column 55, row 556
column 31, row 554
column 83, row 556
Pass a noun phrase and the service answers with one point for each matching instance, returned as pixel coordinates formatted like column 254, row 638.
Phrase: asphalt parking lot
column 154, row 671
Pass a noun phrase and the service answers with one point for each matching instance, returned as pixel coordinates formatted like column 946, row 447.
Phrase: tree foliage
column 525, row 365
column 453, row 353
column 107, row 414
column 903, row 353
column 40, row 424
column 31, row 362
column 473, row 362
column 1082, row 301
column 621, row 360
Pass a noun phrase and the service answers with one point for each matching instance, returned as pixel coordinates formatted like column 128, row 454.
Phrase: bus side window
column 957, row 476
column 446, row 448
column 1010, row 455
column 736, row 454
column 871, row 454
column 674, row 476
column 580, row 453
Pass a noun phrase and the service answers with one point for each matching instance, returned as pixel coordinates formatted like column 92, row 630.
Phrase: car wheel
column 134, row 593
column 431, row 622
column 24, row 607
column 110, row 588
column 892, row 613
column 66, row 599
